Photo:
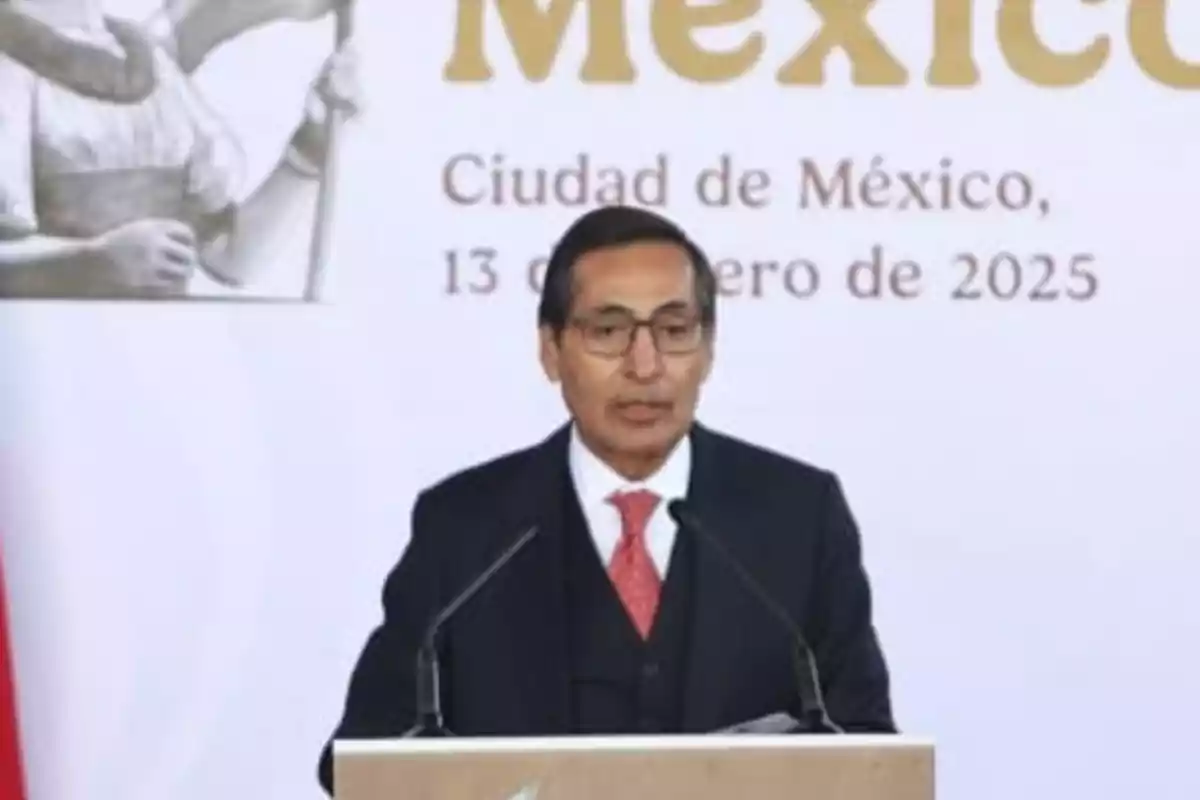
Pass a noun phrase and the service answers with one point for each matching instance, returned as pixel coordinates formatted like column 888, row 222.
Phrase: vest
column 619, row 683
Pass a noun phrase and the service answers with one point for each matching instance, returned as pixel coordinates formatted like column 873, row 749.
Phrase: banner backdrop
column 958, row 256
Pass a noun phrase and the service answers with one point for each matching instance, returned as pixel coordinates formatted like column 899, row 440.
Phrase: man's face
column 631, row 388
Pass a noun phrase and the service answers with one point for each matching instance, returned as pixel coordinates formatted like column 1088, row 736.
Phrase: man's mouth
column 642, row 410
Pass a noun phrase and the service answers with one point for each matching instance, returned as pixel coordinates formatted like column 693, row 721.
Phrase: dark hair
column 613, row 226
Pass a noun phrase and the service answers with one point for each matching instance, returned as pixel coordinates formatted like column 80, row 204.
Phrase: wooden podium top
column 743, row 767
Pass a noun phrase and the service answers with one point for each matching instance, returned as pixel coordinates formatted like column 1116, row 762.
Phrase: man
column 627, row 324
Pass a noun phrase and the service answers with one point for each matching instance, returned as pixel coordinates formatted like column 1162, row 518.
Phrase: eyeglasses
column 612, row 334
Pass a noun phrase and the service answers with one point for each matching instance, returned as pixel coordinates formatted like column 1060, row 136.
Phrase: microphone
column 430, row 723
column 815, row 717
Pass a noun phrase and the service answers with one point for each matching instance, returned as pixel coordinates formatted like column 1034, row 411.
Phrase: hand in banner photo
column 134, row 192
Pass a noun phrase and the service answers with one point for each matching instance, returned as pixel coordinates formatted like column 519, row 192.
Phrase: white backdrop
column 201, row 502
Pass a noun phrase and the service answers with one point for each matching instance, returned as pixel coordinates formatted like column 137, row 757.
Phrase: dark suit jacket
column 504, row 662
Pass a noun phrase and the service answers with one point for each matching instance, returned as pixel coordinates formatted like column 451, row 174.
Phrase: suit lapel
column 536, row 608
column 717, row 601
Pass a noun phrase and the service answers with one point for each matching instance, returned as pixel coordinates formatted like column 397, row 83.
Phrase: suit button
column 650, row 671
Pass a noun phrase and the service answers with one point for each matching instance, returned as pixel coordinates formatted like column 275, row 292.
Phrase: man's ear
column 548, row 352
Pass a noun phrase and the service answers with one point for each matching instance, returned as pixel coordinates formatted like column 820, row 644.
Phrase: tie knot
column 635, row 509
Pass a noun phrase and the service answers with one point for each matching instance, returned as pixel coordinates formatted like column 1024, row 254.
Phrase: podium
column 700, row 767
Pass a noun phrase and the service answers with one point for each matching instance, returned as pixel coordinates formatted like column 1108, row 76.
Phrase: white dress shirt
column 595, row 481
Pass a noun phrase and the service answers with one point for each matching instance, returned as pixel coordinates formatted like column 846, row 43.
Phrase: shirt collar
column 595, row 481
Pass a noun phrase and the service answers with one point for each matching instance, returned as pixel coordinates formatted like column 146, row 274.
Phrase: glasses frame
column 635, row 325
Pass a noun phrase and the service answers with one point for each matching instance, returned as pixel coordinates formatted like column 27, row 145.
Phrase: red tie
column 632, row 570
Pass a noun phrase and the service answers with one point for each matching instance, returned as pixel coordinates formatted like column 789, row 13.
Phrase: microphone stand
column 814, row 718
column 430, row 724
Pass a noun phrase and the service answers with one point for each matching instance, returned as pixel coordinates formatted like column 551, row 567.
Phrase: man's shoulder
column 490, row 478
column 741, row 458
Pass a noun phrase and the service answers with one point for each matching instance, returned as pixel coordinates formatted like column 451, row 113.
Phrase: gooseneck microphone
column 429, row 723
column 808, row 682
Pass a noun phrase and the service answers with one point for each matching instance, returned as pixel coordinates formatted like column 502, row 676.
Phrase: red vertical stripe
column 12, row 783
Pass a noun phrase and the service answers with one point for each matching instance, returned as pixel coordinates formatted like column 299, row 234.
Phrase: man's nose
column 643, row 359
